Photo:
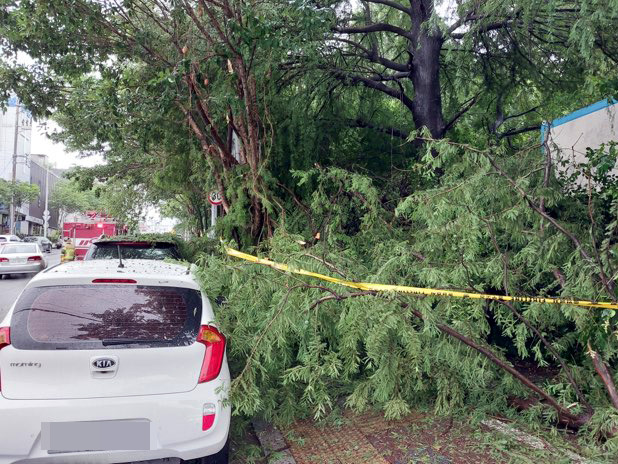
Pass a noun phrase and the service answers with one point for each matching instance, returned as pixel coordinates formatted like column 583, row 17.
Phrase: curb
column 273, row 444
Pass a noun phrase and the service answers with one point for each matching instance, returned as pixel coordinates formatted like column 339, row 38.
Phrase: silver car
column 9, row 238
column 21, row 258
column 44, row 244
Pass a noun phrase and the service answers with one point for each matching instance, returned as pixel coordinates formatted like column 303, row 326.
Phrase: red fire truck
column 83, row 228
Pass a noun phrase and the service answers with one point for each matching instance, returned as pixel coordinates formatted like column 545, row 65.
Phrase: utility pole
column 46, row 212
column 14, row 177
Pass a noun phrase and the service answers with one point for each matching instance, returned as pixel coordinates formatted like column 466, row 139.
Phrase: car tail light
column 215, row 351
column 5, row 337
column 4, row 260
column 208, row 415
column 114, row 281
column 5, row 340
column 35, row 258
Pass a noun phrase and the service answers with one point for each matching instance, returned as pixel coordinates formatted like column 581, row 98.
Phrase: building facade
column 15, row 139
column 46, row 178
column 568, row 138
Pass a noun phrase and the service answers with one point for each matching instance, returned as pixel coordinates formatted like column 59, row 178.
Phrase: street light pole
column 14, row 177
column 46, row 212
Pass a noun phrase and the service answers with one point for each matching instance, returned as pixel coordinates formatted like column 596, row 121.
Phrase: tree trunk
column 425, row 76
column 424, row 63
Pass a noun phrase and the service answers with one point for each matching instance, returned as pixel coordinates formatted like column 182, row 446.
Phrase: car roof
column 21, row 244
column 142, row 270
column 136, row 241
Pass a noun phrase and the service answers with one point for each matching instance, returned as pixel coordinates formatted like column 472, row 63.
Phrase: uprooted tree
column 309, row 118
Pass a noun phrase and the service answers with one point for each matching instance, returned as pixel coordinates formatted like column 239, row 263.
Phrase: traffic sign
column 215, row 198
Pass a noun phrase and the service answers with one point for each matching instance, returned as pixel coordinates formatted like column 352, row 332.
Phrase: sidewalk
column 371, row 439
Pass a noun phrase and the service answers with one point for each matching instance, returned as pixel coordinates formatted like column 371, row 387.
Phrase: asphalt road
column 10, row 288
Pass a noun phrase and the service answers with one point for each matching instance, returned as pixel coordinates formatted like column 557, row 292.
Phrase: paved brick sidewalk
column 370, row 439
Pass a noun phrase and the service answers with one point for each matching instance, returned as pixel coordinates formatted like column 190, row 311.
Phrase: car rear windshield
column 16, row 249
column 105, row 316
column 129, row 250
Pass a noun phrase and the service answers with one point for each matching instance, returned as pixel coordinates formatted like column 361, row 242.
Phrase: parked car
column 108, row 248
column 43, row 242
column 21, row 258
column 9, row 238
column 126, row 363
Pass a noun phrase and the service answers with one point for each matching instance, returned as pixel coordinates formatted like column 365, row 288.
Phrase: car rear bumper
column 21, row 268
column 175, row 425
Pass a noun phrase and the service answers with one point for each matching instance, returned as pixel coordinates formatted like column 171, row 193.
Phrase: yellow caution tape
column 419, row 290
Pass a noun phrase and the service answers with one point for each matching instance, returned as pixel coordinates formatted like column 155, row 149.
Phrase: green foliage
column 352, row 187
column 299, row 344
column 68, row 197
column 20, row 192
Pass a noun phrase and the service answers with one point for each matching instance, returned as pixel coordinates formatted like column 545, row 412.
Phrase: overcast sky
column 57, row 152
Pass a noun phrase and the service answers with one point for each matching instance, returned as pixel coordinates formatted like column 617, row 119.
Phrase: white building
column 15, row 121
column 568, row 138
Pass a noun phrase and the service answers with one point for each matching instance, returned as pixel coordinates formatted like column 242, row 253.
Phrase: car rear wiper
column 57, row 312
column 127, row 341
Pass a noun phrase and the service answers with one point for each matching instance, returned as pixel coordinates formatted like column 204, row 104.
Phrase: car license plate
column 66, row 437
column 18, row 260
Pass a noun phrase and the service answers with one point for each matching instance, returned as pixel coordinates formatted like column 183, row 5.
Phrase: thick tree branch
column 485, row 28
column 395, row 5
column 353, row 78
column 339, row 297
column 566, row 416
column 552, row 350
column 567, row 233
column 385, row 130
column 374, row 57
column 512, row 132
column 377, row 27
column 389, row 77
column 464, row 109
column 606, row 377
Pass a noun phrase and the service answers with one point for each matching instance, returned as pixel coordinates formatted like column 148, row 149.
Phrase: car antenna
column 120, row 257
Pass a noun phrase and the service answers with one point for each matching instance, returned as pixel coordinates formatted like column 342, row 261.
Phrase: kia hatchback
column 115, row 248
column 107, row 364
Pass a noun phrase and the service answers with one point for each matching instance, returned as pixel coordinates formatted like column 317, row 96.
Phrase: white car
column 9, row 238
column 113, row 362
column 21, row 258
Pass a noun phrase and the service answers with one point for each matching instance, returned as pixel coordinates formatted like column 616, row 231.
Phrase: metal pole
column 14, row 177
column 213, row 220
column 46, row 212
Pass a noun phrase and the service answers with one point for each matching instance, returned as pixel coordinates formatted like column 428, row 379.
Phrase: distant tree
column 69, row 198
column 23, row 192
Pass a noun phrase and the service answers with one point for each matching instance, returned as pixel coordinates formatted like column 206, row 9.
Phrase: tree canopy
column 20, row 192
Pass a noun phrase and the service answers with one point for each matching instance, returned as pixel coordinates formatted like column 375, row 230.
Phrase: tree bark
column 424, row 52
column 606, row 377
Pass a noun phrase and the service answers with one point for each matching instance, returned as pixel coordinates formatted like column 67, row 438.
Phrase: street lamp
column 46, row 214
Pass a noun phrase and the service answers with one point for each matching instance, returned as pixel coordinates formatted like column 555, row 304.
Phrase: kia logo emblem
column 103, row 363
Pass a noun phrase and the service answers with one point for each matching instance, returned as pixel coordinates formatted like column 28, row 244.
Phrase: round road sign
column 215, row 198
